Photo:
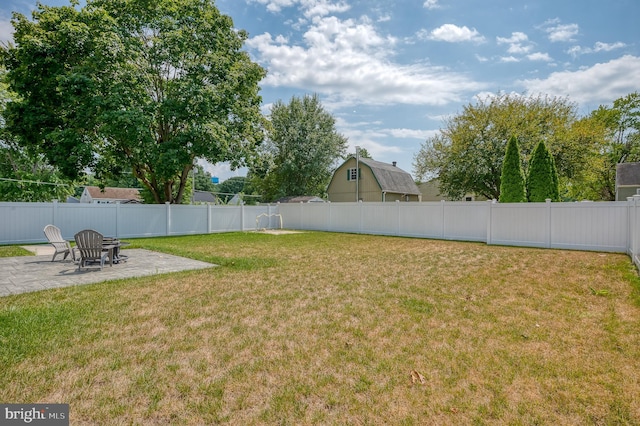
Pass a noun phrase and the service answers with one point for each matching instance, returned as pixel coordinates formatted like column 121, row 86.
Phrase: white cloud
column 222, row 170
column 6, row 31
column 516, row 37
column 323, row 7
column 601, row 83
column 577, row 50
column 597, row 47
column 520, row 48
column 351, row 63
column 539, row 56
column 377, row 139
column 431, row 4
column 310, row 8
column 557, row 32
column 280, row 39
column 440, row 117
column 606, row 47
column 368, row 138
column 276, row 5
column 409, row 133
column 516, row 43
column 453, row 34
column 509, row 59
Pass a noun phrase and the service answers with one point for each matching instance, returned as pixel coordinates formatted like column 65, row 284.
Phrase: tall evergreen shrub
column 554, row 177
column 512, row 181
column 542, row 181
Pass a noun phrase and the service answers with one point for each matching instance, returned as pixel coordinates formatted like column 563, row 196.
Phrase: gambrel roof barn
column 377, row 181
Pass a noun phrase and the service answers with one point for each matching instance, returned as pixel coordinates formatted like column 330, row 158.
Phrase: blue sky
column 391, row 71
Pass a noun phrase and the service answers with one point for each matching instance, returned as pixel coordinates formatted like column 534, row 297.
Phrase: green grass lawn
column 13, row 251
column 323, row 328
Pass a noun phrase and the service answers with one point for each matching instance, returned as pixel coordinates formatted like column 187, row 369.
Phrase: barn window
column 352, row 174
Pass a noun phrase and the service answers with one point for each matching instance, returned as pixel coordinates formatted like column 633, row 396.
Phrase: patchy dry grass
column 320, row 328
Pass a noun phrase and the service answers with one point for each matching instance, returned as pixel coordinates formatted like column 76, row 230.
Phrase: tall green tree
column 512, row 181
column 25, row 174
column 542, row 180
column 203, row 180
column 467, row 154
column 301, row 151
column 133, row 85
column 230, row 187
column 362, row 153
column 619, row 144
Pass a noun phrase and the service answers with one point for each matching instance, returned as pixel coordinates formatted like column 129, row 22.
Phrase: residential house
column 377, row 182
column 627, row 180
column 430, row 191
column 95, row 195
column 204, row 197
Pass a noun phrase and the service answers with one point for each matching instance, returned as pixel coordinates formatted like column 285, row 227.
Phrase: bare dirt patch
column 278, row 231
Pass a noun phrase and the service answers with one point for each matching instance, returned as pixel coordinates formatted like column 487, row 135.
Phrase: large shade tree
column 301, row 151
column 620, row 143
column 467, row 154
column 25, row 174
column 141, row 86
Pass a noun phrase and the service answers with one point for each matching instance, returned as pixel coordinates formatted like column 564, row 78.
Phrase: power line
column 230, row 193
column 35, row 181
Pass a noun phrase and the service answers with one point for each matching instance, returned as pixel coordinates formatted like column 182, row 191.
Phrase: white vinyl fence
column 598, row 226
column 633, row 248
column 602, row 226
column 24, row 222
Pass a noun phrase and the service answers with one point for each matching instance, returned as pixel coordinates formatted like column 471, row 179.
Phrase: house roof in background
column 203, row 197
column 628, row 174
column 391, row 178
column 113, row 193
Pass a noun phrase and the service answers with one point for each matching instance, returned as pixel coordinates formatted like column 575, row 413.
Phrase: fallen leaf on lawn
column 417, row 377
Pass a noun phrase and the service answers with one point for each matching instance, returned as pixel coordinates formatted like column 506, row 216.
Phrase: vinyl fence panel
column 633, row 223
column 142, row 220
column 77, row 217
column 466, row 221
column 379, row 218
column 261, row 217
column 186, row 220
column 589, row 226
column 425, row 220
column 318, row 218
column 25, row 222
column 519, row 224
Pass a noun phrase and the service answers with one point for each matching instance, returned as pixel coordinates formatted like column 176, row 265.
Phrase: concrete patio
column 34, row 273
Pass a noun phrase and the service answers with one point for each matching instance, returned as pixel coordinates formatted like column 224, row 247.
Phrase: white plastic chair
column 54, row 236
